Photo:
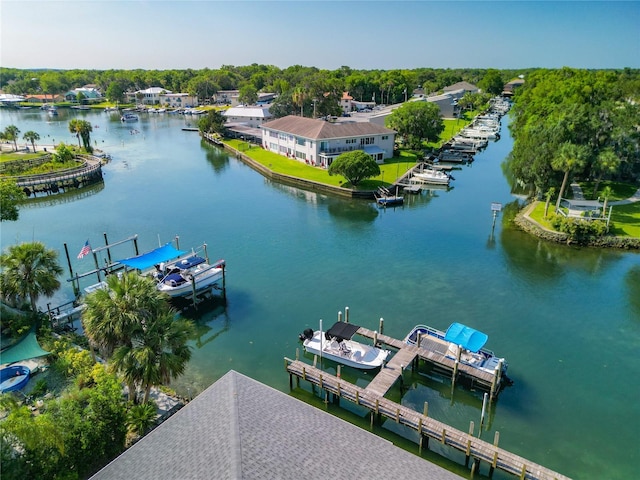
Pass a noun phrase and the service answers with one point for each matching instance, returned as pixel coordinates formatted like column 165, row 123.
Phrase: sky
column 365, row 34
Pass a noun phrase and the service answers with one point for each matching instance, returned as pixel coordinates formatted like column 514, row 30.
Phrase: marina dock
column 372, row 398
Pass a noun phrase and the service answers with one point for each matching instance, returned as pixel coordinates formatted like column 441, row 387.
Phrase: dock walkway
column 427, row 427
column 434, row 355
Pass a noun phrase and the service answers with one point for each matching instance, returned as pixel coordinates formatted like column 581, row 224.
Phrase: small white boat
column 129, row 117
column 336, row 344
column 432, row 175
column 189, row 275
column 458, row 340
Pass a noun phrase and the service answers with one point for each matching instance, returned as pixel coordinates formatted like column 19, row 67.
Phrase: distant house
column 346, row 102
column 253, row 116
column 89, row 94
column 465, row 86
column 177, row 100
column 44, row 98
column 266, row 98
column 227, row 97
column 148, row 96
column 511, row 86
column 317, row 142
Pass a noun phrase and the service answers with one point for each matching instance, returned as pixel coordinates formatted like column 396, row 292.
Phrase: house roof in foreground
column 320, row 129
column 239, row 429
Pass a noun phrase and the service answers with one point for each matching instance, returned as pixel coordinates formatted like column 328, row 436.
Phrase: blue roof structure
column 154, row 257
column 466, row 337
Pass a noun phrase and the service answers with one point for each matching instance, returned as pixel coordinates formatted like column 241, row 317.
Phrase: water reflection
column 59, row 198
column 632, row 284
column 353, row 212
column 216, row 157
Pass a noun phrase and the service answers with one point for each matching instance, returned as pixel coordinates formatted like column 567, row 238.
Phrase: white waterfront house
column 250, row 116
column 148, row 96
column 178, row 100
column 318, row 142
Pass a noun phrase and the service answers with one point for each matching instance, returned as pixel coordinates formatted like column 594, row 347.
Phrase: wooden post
column 346, row 314
column 495, row 383
column 372, row 417
column 320, row 382
column 290, row 381
column 468, row 451
column 377, row 405
column 381, row 325
column 339, row 371
column 523, row 472
column 496, row 439
column 455, row 369
column 397, row 415
column 315, row 360
column 357, row 397
column 339, row 316
column 106, row 242
column 304, row 373
column 375, row 339
column 426, row 409
column 443, row 439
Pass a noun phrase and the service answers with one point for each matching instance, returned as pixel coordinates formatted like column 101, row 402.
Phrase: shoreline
column 532, row 227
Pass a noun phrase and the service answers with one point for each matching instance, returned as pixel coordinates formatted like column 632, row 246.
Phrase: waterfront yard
column 625, row 219
column 390, row 171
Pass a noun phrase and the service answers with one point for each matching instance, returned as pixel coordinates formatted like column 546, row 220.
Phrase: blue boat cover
column 154, row 257
column 466, row 337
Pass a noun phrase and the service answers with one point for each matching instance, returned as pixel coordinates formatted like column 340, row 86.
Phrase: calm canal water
column 567, row 319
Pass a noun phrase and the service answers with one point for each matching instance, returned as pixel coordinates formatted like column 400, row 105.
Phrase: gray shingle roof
column 319, row 129
column 239, row 429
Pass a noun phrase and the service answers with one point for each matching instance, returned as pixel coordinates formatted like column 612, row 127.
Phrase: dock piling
column 381, row 329
column 346, row 314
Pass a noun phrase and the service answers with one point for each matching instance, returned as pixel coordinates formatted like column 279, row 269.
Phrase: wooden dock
column 372, row 398
column 433, row 353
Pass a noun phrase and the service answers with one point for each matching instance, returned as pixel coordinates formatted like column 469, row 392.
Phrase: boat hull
column 204, row 275
column 483, row 359
column 347, row 352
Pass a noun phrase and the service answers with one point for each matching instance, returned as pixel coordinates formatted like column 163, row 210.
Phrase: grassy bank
column 391, row 170
column 625, row 219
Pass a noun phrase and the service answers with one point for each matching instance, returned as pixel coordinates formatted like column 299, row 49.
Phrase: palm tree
column 157, row 354
column 28, row 271
column 298, row 96
column 131, row 322
column 31, row 136
column 569, row 158
column 549, row 196
column 83, row 129
column 607, row 162
column 606, row 194
column 11, row 133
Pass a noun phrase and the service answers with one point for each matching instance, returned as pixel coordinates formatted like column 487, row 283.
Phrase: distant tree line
column 300, row 89
column 575, row 123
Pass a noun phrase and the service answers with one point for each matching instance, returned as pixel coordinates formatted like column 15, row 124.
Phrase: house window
column 301, row 155
column 301, row 141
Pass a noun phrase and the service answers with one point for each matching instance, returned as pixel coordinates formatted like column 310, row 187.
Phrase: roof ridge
column 235, row 441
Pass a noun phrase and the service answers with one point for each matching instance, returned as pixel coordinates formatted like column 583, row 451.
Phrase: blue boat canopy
column 466, row 337
column 154, row 257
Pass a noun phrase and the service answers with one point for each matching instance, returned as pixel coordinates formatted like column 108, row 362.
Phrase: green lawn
column 625, row 219
column 620, row 191
column 11, row 156
column 391, row 170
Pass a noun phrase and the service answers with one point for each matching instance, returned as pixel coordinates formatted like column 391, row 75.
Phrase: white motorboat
column 336, row 344
column 431, row 175
column 129, row 117
column 178, row 273
column 459, row 340
column 188, row 276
